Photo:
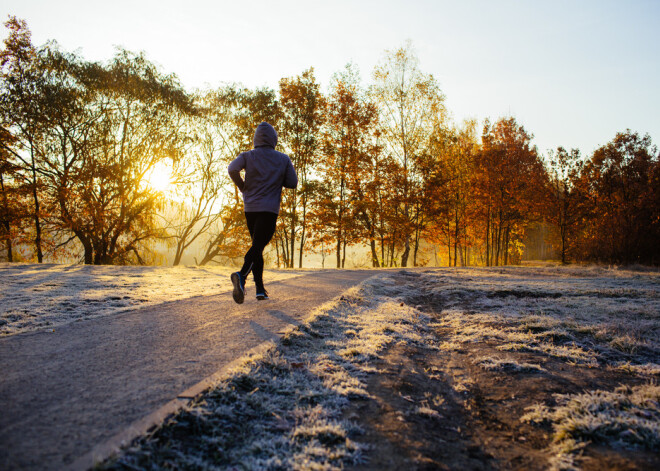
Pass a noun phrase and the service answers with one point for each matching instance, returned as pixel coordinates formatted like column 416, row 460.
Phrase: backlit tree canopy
column 383, row 170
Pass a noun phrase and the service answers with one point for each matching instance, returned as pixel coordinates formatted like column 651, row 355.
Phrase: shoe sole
column 239, row 294
column 262, row 298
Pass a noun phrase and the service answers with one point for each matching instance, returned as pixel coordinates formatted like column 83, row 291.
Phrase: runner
column 266, row 173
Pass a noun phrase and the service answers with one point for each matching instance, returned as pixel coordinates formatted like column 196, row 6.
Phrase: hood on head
column 265, row 135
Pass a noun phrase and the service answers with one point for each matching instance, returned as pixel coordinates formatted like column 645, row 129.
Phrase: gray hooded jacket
column 266, row 172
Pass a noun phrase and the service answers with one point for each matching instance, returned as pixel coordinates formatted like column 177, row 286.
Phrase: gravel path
column 63, row 392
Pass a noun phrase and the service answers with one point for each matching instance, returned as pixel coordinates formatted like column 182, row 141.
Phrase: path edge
column 140, row 427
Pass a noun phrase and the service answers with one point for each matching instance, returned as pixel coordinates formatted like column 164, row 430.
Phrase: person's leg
column 264, row 231
column 248, row 261
column 250, row 220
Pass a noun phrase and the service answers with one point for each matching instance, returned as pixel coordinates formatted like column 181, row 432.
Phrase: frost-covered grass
column 585, row 315
column 35, row 296
column 628, row 417
column 283, row 409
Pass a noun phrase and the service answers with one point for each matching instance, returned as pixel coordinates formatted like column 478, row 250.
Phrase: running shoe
column 262, row 294
column 239, row 287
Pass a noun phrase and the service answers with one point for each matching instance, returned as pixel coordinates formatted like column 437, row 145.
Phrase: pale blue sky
column 572, row 72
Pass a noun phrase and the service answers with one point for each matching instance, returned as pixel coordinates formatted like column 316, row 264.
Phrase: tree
column 348, row 153
column 21, row 86
column 233, row 114
column 113, row 124
column 303, row 111
column 564, row 197
column 620, row 181
column 451, row 183
column 411, row 107
column 11, row 194
column 201, row 178
column 509, row 186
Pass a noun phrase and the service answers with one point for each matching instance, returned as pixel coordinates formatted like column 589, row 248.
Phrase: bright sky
column 572, row 72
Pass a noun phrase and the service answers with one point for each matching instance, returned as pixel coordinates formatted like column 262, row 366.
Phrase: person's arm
column 235, row 168
column 290, row 177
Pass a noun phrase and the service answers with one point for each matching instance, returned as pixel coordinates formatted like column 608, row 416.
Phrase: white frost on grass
column 283, row 409
column 579, row 314
column 628, row 417
column 35, row 296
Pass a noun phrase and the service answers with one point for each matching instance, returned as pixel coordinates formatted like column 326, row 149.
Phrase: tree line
column 381, row 167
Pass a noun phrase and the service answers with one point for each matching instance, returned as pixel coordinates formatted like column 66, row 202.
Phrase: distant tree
column 22, row 114
column 565, row 199
column 303, row 111
column 233, row 114
column 114, row 123
column 509, row 186
column 620, row 181
column 411, row 105
column 348, row 153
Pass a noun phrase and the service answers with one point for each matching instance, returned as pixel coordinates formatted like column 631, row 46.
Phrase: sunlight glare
column 160, row 178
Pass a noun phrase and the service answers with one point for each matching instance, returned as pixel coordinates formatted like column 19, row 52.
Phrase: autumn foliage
column 383, row 170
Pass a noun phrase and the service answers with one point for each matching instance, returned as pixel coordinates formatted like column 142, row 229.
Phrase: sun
column 160, row 178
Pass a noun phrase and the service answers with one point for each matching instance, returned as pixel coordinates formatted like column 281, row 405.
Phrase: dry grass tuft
column 511, row 366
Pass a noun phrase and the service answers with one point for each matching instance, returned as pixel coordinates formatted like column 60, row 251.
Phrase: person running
column 266, row 173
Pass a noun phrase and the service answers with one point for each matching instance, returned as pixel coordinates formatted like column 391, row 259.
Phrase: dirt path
column 63, row 392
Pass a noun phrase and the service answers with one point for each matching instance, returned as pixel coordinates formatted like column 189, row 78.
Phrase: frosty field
column 36, row 296
column 504, row 368
column 451, row 368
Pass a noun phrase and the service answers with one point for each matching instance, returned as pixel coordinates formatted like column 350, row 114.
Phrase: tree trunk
column 498, row 241
column 506, row 245
column 456, row 235
column 5, row 221
column 448, row 244
column 343, row 260
column 37, row 222
column 302, row 237
column 488, row 238
column 339, row 249
column 178, row 254
column 292, row 242
column 406, row 251
column 87, row 246
column 563, row 243
column 277, row 252
column 374, row 254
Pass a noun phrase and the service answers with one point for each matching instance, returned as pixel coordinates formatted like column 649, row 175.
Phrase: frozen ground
column 500, row 368
column 34, row 296
column 590, row 315
column 473, row 368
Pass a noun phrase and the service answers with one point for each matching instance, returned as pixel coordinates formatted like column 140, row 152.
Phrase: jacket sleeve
column 290, row 177
column 235, row 168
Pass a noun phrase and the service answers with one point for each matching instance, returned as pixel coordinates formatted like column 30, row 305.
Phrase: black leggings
column 262, row 227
